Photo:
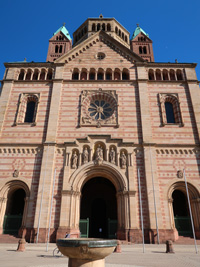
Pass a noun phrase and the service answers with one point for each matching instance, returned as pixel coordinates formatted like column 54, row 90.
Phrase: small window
column 21, row 75
column 100, row 76
column 169, row 112
column 30, row 110
column 56, row 49
column 93, row 27
column 92, row 76
column 60, row 49
column 140, row 49
column 75, row 76
column 100, row 56
column 108, row 27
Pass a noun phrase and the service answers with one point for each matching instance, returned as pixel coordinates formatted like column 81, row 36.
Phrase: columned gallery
column 81, row 131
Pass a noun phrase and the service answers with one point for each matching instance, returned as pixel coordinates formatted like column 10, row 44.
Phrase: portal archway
column 99, row 207
column 13, row 207
column 178, row 207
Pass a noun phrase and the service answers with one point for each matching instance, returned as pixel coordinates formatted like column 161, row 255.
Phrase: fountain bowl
column 86, row 251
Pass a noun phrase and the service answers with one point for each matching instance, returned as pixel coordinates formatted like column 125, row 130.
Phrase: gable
column 96, row 44
column 141, row 34
column 57, row 36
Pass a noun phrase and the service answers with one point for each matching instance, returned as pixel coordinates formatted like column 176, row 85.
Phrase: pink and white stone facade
column 31, row 151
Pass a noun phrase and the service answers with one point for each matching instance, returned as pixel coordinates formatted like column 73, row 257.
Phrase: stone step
column 9, row 239
column 186, row 241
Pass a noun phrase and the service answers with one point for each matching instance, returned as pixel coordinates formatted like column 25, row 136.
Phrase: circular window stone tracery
column 99, row 108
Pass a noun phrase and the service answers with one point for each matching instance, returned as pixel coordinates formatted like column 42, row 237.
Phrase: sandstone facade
column 101, row 95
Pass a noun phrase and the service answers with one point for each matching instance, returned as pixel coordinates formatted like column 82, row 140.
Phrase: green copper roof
column 137, row 31
column 64, row 31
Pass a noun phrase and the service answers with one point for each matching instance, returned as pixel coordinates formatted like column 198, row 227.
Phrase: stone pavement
column 132, row 255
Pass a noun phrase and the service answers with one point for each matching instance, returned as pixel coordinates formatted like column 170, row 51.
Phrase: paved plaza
column 132, row 255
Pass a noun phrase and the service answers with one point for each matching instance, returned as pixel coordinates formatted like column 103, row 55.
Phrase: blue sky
column 173, row 25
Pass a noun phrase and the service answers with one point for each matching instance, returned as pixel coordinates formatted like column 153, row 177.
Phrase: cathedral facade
column 87, row 131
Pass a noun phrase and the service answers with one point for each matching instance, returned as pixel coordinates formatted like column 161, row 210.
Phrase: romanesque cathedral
column 86, row 133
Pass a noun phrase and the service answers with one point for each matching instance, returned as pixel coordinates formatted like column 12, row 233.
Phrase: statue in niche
column 123, row 160
column 85, row 155
column 180, row 174
column 112, row 155
column 16, row 173
column 74, row 160
column 99, row 155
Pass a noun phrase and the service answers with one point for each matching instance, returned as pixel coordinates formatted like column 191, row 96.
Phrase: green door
column 183, row 225
column 11, row 224
column 112, row 228
column 84, row 227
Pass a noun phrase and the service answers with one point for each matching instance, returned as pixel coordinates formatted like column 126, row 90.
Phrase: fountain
column 87, row 252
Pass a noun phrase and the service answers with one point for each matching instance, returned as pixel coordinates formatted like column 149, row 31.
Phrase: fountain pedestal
column 87, row 252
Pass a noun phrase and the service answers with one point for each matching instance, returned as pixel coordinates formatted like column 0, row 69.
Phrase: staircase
column 9, row 239
column 182, row 240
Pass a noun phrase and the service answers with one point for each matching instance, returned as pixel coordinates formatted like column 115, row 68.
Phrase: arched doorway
column 181, row 213
column 98, row 214
column 14, row 211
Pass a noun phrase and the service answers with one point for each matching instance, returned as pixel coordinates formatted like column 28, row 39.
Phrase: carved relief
column 99, row 155
column 180, row 174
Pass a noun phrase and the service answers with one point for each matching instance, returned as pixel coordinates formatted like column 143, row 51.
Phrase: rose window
column 100, row 110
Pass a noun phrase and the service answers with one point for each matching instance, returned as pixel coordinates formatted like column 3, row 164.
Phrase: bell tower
column 141, row 44
column 59, row 44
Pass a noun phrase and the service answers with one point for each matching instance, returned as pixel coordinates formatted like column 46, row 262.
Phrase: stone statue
column 74, row 160
column 85, row 155
column 123, row 160
column 99, row 155
column 112, row 155
column 16, row 173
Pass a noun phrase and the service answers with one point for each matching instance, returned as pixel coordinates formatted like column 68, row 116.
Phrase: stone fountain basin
column 86, row 248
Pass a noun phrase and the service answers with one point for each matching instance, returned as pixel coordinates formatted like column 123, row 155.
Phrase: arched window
column 141, row 39
column 144, row 50
column 56, row 49
column 93, row 27
column 179, row 75
column 42, row 75
column 108, row 27
column 60, row 49
column 27, row 109
column 151, row 75
column 84, row 74
column 125, row 74
column 172, row 75
column 120, row 33
column 103, row 26
column 92, row 74
column 158, row 75
column 28, row 75
column 165, row 75
column 169, row 112
column 35, row 75
column 49, row 74
column 140, row 49
column 117, row 74
column 170, row 109
column 21, row 75
column 100, row 75
column 75, row 75
column 30, row 109
column 116, row 30
column 126, row 39
column 98, row 26
column 108, row 74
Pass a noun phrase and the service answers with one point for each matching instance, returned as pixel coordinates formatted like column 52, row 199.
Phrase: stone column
column 45, row 191
column 193, row 88
column 3, row 202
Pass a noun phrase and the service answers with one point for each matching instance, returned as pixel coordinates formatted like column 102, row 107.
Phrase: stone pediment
column 91, row 41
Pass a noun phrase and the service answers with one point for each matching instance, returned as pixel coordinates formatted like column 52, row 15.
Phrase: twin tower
column 61, row 42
